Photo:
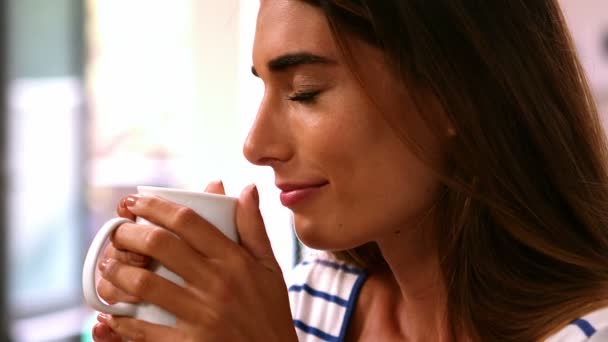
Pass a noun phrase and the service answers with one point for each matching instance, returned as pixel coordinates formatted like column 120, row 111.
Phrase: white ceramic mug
column 219, row 210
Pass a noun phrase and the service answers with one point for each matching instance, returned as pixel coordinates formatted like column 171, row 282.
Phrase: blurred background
column 100, row 96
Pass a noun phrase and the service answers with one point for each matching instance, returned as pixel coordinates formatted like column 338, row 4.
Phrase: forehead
column 288, row 26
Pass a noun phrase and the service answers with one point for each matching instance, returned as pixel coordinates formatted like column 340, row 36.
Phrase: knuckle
column 136, row 259
column 111, row 294
column 225, row 296
column 240, row 262
column 142, row 284
column 156, row 239
column 224, row 287
column 111, row 268
column 212, row 319
column 106, row 291
column 183, row 216
column 120, row 256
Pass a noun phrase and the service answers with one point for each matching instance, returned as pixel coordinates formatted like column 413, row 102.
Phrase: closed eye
column 304, row 96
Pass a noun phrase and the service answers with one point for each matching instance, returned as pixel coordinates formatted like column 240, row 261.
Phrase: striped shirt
column 323, row 293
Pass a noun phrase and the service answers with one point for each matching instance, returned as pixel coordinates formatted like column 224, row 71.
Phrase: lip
column 293, row 193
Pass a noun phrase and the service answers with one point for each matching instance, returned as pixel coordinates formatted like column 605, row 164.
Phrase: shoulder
column 592, row 327
column 322, row 292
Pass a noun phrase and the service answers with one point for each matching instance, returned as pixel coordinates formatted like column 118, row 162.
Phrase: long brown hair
column 523, row 237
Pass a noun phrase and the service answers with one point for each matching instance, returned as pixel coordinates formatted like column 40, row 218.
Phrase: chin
column 322, row 236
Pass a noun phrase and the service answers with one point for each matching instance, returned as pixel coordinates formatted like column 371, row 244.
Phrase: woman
column 446, row 154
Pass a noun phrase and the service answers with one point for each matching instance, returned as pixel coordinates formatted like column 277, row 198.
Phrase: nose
column 268, row 142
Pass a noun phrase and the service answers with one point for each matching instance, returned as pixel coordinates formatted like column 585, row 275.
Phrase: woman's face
column 343, row 171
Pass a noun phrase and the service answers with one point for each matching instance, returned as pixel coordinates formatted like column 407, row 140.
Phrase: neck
column 411, row 255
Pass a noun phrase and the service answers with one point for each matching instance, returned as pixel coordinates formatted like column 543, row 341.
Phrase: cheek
column 376, row 188
column 390, row 191
column 355, row 212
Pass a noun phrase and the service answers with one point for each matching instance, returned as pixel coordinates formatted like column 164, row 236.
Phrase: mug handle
column 88, row 272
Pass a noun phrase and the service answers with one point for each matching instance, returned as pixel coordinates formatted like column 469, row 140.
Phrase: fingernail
column 131, row 200
column 255, row 195
column 123, row 203
column 104, row 265
column 214, row 184
column 107, row 319
column 103, row 318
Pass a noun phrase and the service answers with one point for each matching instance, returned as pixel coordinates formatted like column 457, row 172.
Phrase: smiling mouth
column 293, row 195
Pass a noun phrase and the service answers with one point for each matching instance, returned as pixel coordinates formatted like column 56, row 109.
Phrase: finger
column 103, row 333
column 163, row 246
column 112, row 251
column 186, row 223
column 216, row 187
column 130, row 258
column 252, row 230
column 111, row 294
column 123, row 211
column 137, row 330
column 152, row 288
column 107, row 291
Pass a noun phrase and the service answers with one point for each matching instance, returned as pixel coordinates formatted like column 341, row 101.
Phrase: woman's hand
column 110, row 293
column 232, row 292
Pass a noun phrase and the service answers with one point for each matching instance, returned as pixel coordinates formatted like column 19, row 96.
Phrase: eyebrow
column 292, row 60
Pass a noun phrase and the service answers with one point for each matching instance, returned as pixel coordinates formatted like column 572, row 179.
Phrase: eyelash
column 306, row 97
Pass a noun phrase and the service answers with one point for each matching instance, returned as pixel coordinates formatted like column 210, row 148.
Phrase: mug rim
column 186, row 192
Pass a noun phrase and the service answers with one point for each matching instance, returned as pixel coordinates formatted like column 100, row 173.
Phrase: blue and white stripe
column 589, row 328
column 323, row 295
column 584, row 326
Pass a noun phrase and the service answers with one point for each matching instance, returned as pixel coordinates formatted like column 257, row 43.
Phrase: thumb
column 252, row 230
